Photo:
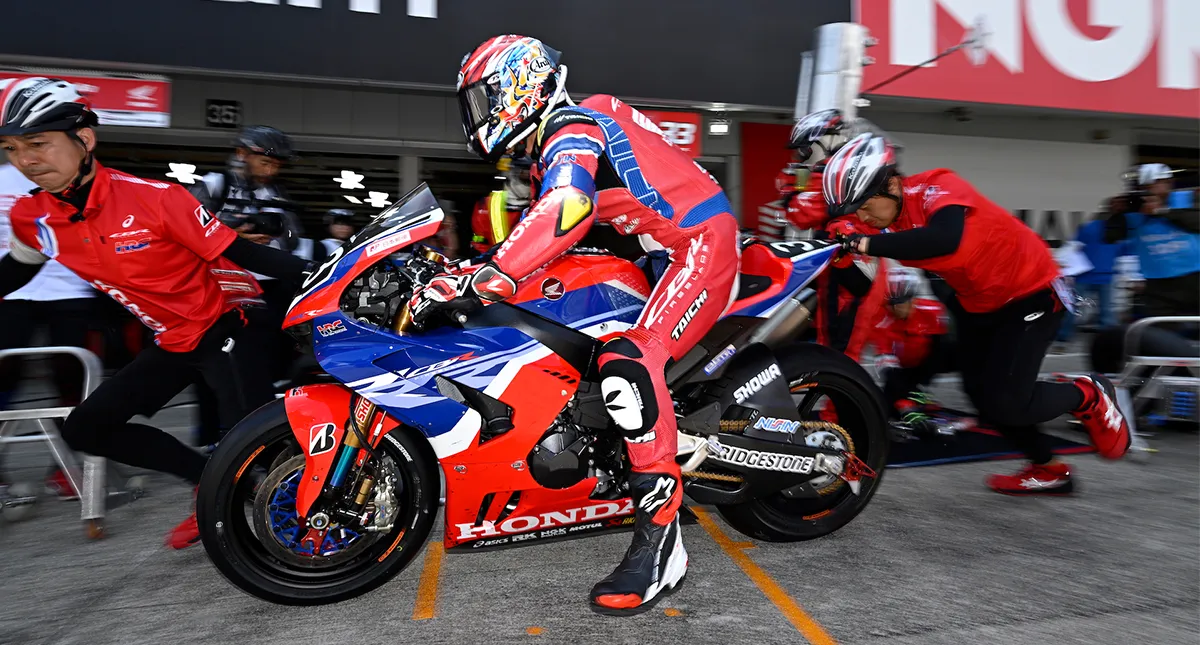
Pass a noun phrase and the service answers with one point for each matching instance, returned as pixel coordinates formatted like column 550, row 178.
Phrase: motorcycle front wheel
column 245, row 508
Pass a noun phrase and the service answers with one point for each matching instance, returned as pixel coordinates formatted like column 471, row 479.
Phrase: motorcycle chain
column 741, row 425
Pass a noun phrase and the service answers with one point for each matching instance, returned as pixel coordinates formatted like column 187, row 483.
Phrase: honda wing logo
column 142, row 96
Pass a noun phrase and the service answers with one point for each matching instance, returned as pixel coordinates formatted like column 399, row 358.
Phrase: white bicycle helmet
column 857, row 172
column 38, row 104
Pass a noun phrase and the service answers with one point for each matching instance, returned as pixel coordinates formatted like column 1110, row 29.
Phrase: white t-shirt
column 54, row 281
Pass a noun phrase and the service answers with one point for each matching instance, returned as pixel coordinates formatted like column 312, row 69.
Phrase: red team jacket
column 149, row 245
column 909, row 339
column 807, row 210
column 999, row 259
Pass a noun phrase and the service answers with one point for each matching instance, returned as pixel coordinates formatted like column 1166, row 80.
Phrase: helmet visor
column 477, row 101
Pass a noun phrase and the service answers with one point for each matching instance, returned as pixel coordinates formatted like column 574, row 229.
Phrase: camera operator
column 248, row 198
column 1166, row 242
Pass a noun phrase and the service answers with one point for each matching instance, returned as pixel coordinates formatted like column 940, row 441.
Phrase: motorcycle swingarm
column 764, row 466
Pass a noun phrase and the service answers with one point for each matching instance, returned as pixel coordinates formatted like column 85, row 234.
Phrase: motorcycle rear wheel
column 817, row 373
column 236, row 542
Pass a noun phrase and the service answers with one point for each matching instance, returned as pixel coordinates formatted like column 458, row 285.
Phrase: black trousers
column 66, row 323
column 100, row 425
column 1000, row 355
column 900, row 381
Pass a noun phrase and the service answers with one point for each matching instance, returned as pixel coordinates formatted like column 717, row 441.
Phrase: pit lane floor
column 934, row 559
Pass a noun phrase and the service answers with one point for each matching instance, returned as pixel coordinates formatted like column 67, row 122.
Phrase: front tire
column 822, row 374
column 274, row 565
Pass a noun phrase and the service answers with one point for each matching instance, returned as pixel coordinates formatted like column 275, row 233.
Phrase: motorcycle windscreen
column 413, row 218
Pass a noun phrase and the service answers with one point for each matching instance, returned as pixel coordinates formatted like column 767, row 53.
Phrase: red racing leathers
column 602, row 161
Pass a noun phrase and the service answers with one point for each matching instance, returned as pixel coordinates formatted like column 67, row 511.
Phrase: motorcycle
column 332, row 490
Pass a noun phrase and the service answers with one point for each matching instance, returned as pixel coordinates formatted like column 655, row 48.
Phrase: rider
column 497, row 213
column 602, row 161
column 151, row 247
column 1007, row 306
column 912, row 345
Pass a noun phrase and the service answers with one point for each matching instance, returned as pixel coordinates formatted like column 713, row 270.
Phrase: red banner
column 684, row 129
column 143, row 101
column 764, row 153
column 1124, row 56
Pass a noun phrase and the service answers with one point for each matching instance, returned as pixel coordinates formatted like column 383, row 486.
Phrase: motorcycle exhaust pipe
column 788, row 322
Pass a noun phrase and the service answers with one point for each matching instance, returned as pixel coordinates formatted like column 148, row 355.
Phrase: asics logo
column 128, row 222
column 1034, row 483
column 1034, row 316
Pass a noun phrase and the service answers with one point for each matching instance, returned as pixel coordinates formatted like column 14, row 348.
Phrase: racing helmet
column 823, row 128
column 505, row 87
column 857, row 172
column 39, row 104
column 902, row 285
column 267, row 141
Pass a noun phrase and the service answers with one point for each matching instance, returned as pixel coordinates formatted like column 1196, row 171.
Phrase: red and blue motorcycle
column 333, row 489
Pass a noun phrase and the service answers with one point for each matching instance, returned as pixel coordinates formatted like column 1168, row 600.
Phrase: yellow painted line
column 427, row 588
column 736, row 551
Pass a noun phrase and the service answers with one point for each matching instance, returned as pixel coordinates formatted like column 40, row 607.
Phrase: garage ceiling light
column 352, row 199
column 185, row 173
column 718, row 128
column 350, row 180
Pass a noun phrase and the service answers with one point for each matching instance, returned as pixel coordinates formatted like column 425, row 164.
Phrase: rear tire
column 861, row 413
column 237, row 548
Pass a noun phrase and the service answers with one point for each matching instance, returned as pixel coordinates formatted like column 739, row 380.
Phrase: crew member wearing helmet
column 847, row 299
column 603, row 162
column 1007, row 306
column 340, row 224
column 1166, row 240
column 911, row 344
column 151, row 247
column 496, row 215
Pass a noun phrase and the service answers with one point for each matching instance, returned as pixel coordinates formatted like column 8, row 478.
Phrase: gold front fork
column 403, row 320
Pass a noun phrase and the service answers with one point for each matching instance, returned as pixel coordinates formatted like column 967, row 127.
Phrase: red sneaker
column 1099, row 413
column 1053, row 478
column 185, row 535
column 58, row 484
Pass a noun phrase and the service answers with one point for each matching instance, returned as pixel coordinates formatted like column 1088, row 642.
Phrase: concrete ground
column 934, row 559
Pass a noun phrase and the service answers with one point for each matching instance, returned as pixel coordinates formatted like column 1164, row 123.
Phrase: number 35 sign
column 681, row 128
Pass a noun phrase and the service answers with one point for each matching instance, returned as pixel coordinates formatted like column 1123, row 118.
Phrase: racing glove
column 447, row 293
column 844, row 233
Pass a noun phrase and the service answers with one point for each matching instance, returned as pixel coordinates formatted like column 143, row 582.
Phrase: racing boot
column 186, row 534
column 1099, row 413
column 655, row 564
column 1053, row 478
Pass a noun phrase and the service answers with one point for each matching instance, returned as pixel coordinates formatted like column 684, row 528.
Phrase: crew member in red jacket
column 1009, row 300
column 847, row 298
column 911, row 342
column 498, row 212
column 151, row 247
